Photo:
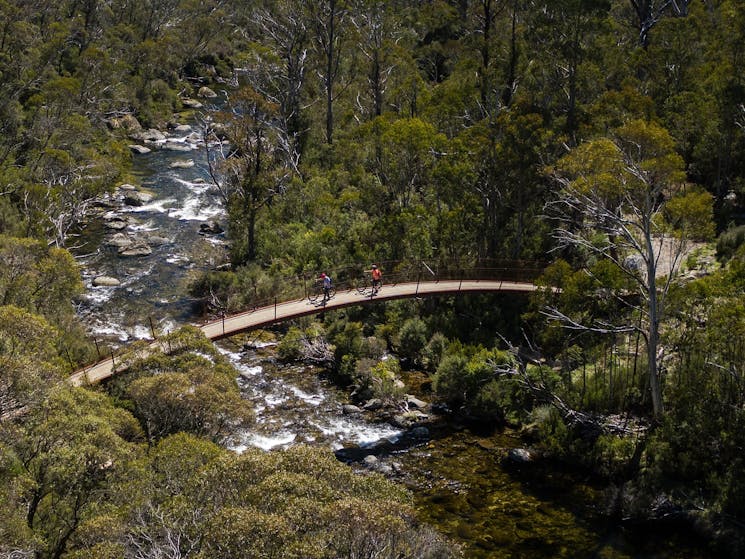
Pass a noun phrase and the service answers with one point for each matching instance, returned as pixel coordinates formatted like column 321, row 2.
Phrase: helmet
column 374, row 266
column 323, row 274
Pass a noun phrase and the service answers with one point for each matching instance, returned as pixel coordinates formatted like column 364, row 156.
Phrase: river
column 458, row 476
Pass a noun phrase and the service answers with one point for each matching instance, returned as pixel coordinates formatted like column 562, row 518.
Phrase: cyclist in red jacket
column 377, row 278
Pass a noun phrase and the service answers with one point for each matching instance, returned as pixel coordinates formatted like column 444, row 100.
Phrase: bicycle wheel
column 332, row 292
column 361, row 285
column 314, row 293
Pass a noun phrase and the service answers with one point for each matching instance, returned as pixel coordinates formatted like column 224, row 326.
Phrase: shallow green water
column 463, row 488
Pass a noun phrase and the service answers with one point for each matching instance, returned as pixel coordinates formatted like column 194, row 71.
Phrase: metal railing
column 347, row 278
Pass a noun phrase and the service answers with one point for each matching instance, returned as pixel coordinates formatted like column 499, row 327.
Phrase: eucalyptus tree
column 277, row 67
column 625, row 199
column 329, row 22
column 648, row 13
column 564, row 70
column 508, row 152
column 484, row 14
column 61, row 460
column 252, row 171
column 378, row 36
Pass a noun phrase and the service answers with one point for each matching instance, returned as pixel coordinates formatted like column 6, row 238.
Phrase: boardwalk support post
column 98, row 352
column 275, row 308
column 223, row 322
column 461, row 280
column 152, row 328
column 113, row 362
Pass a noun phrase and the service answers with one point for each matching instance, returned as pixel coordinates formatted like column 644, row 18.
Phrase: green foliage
column 300, row 502
column 729, row 241
column 40, row 279
column 412, row 339
column 190, row 388
column 66, row 452
column 479, row 383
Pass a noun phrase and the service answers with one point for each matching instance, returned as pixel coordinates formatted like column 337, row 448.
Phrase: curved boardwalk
column 288, row 310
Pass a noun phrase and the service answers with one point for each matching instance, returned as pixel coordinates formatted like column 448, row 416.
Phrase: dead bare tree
column 631, row 190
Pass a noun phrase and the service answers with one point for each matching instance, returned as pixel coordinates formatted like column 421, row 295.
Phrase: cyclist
column 326, row 285
column 377, row 278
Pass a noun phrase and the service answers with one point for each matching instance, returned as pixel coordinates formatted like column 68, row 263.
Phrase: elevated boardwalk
column 288, row 310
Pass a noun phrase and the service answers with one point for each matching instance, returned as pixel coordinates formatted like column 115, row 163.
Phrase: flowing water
column 458, row 477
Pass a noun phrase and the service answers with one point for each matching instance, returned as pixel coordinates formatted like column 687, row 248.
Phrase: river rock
column 177, row 146
column 206, row 92
column 182, row 164
column 210, row 228
column 125, row 122
column 349, row 409
column 158, row 240
column 371, row 461
column 182, row 128
column 409, row 419
column 137, row 148
column 519, row 456
column 116, row 223
column 136, row 249
column 137, row 198
column 373, row 405
column 127, row 187
column 105, row 281
column 150, row 135
column 119, row 240
column 420, row 432
column 414, row 402
column 106, row 203
column 191, row 103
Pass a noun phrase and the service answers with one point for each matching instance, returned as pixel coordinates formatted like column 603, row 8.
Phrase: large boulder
column 150, row 135
column 182, row 129
column 137, row 198
column 137, row 148
column 206, row 92
column 125, row 122
column 136, row 249
column 116, row 223
column 105, row 281
column 119, row 240
column 182, row 164
column 210, row 228
column 191, row 103
column 519, row 456
column 415, row 403
column 158, row 240
column 177, row 146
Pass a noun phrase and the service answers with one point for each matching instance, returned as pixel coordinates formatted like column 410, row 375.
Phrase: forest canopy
column 604, row 140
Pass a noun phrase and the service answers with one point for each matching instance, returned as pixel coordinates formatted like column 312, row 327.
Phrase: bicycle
column 316, row 292
column 366, row 284
column 362, row 285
